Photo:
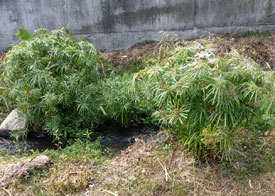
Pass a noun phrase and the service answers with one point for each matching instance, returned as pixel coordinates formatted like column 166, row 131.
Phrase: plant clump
column 53, row 79
column 204, row 98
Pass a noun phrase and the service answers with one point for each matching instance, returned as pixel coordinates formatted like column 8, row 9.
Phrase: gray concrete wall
column 118, row 24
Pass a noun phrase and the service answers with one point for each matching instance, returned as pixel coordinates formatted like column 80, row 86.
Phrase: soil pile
column 260, row 49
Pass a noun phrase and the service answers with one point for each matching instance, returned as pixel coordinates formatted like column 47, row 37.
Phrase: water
column 116, row 138
column 40, row 142
column 112, row 137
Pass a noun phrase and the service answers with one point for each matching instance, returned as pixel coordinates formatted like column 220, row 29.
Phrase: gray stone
column 14, row 121
column 118, row 24
column 240, row 165
column 20, row 170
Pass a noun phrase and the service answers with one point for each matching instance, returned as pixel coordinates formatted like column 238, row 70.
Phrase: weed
column 257, row 33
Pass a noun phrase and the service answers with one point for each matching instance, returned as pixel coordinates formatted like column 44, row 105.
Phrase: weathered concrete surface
column 117, row 24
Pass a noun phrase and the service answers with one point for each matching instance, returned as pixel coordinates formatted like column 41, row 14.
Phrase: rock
column 163, row 137
column 13, row 122
column 240, row 165
column 20, row 170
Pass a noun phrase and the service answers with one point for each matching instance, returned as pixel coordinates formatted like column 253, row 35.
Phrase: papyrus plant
column 195, row 91
column 53, row 79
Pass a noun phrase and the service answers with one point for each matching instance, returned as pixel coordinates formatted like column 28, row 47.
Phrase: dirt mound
column 124, row 58
column 260, row 49
column 153, row 169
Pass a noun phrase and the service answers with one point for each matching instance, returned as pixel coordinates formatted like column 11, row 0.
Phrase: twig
column 250, row 184
column 6, row 191
column 110, row 192
column 74, row 173
column 240, row 153
column 165, row 170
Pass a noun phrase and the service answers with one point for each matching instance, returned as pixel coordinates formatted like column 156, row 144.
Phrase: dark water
column 40, row 142
column 112, row 137
column 116, row 138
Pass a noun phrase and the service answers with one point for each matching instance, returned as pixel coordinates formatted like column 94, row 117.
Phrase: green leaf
column 23, row 34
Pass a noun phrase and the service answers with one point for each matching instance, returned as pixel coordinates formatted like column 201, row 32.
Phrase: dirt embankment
column 124, row 58
column 260, row 49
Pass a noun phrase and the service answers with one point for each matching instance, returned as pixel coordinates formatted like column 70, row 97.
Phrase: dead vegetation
column 74, row 179
column 143, row 170
column 260, row 49
column 149, row 169
column 122, row 59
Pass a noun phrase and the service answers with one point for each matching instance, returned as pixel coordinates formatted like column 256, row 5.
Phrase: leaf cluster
column 124, row 103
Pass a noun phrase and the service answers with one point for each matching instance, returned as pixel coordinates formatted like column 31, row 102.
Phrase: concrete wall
column 117, row 24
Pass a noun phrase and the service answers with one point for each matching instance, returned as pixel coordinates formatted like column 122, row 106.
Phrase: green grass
column 257, row 33
column 255, row 151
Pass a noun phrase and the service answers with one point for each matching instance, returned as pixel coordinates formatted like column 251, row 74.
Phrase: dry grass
column 157, row 170
column 147, row 169
column 124, row 58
